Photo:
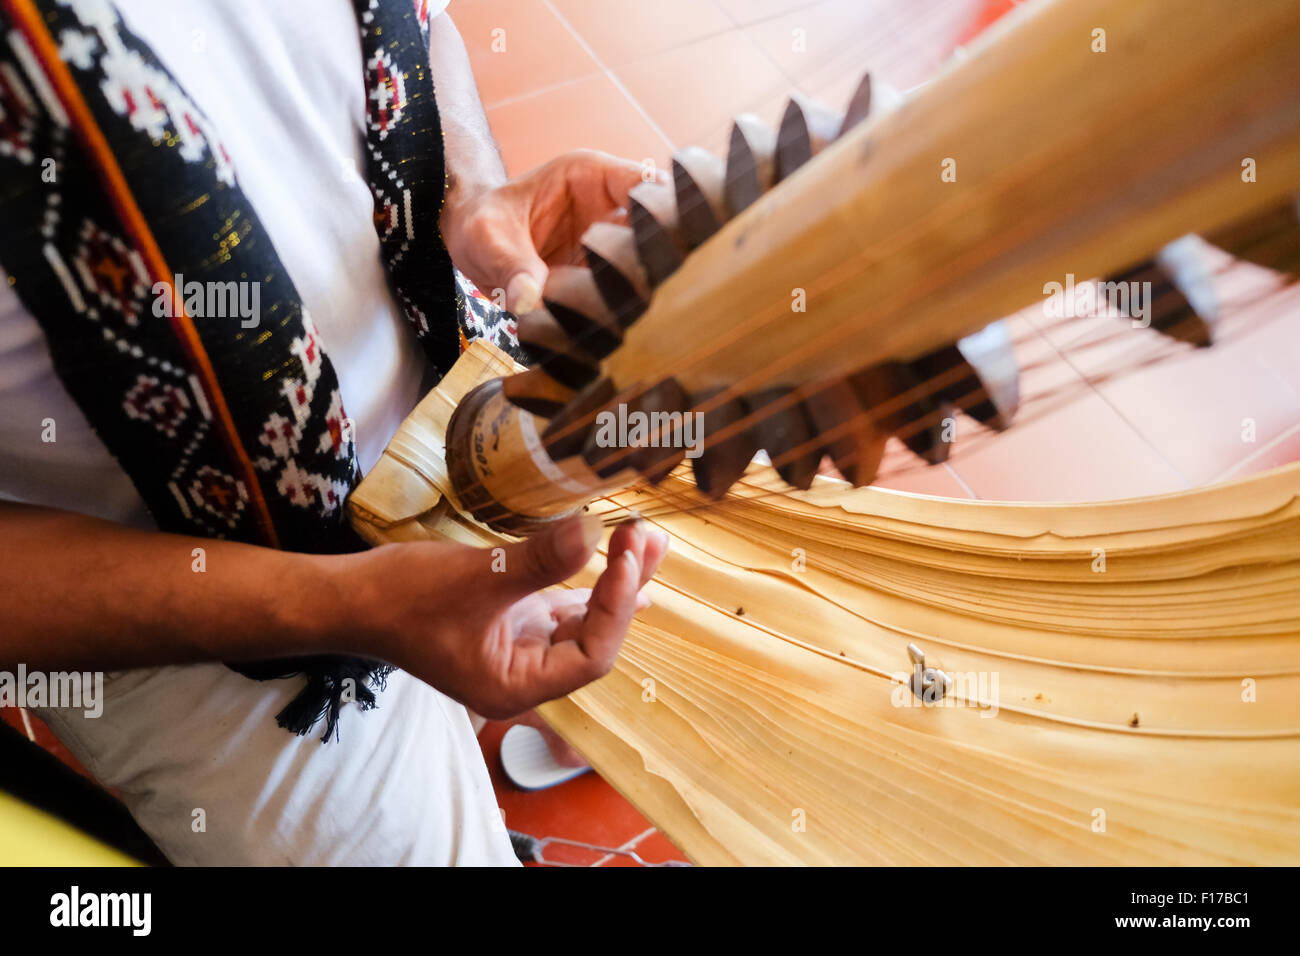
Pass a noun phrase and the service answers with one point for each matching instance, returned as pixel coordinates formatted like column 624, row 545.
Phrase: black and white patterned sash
column 112, row 182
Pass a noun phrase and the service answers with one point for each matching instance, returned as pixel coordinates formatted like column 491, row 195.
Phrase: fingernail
column 661, row 537
column 630, row 558
column 580, row 537
column 524, row 294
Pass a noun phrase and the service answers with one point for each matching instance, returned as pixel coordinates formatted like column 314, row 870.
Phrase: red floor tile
column 1107, row 335
column 1190, row 404
column 517, row 47
column 588, row 113
column 1251, row 296
column 586, row 809
column 993, row 11
column 1094, row 455
column 1044, row 373
column 619, row 33
column 750, row 11
column 653, row 848
column 694, row 91
column 902, row 471
column 1046, row 380
column 1269, row 331
column 1283, row 450
column 825, row 47
column 657, row 848
column 770, row 111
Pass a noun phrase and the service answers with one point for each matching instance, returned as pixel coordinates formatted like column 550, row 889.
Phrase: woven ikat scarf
column 226, row 431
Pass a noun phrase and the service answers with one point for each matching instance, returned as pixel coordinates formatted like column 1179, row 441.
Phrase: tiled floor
column 640, row 79
column 586, row 810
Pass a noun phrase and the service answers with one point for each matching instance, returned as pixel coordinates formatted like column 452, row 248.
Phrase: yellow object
column 31, row 837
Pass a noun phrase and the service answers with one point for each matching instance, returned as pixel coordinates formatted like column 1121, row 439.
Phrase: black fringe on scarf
column 331, row 682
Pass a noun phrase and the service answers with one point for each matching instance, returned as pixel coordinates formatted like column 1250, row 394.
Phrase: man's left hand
column 509, row 237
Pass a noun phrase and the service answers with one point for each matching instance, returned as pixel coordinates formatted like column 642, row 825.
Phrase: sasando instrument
column 763, row 709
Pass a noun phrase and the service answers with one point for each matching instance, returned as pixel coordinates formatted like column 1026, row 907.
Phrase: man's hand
column 476, row 625
column 469, row 621
column 508, row 237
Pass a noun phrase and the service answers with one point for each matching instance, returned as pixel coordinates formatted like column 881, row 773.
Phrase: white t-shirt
column 283, row 86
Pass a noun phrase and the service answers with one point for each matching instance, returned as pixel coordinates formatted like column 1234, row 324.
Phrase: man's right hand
column 88, row 594
column 479, row 627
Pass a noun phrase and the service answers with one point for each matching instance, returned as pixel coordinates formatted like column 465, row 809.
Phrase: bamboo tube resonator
column 1036, row 156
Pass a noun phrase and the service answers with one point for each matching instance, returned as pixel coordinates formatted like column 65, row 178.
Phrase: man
column 90, row 582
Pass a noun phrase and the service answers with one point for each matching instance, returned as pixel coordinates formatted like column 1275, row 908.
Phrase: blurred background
column 1109, row 412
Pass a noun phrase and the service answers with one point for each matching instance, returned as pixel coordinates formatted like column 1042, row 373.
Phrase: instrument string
column 926, row 389
column 748, row 326
column 668, row 503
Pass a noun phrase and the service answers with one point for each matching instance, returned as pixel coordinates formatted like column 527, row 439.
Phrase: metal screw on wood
column 928, row 683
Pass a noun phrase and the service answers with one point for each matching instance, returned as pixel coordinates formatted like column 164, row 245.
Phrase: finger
column 569, row 608
column 568, row 623
column 568, row 619
column 649, row 544
column 630, row 534
column 524, row 288
column 562, row 668
column 506, row 261
column 621, row 176
column 589, row 654
column 585, row 647
column 520, row 268
column 656, row 547
column 505, row 256
column 626, row 544
column 546, row 559
column 598, row 179
column 571, row 623
column 610, row 610
column 562, row 601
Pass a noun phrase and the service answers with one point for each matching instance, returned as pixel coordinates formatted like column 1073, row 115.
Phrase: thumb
column 503, row 258
column 524, row 288
column 555, row 555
